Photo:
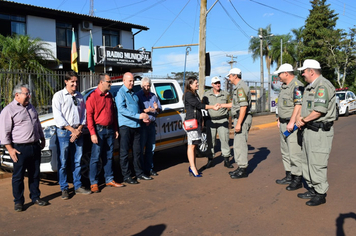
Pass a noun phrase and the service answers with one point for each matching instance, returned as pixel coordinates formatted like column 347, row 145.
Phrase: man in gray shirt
column 218, row 122
column 289, row 104
column 20, row 132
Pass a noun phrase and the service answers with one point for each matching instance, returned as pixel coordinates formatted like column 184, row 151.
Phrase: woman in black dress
column 193, row 108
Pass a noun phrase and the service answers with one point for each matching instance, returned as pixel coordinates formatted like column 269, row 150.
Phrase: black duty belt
column 315, row 126
column 220, row 117
column 237, row 115
column 283, row 121
column 103, row 126
column 27, row 144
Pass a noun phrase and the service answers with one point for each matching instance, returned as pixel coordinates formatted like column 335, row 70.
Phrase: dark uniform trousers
column 30, row 159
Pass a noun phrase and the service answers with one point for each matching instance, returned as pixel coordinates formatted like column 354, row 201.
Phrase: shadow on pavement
column 152, row 230
column 259, row 156
column 340, row 222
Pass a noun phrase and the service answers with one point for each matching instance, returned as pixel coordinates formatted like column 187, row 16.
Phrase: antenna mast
column 91, row 10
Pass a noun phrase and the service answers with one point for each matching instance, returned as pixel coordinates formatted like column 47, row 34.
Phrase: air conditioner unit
column 87, row 25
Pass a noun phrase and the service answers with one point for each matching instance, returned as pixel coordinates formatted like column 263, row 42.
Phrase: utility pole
column 231, row 62
column 202, row 46
column 261, row 68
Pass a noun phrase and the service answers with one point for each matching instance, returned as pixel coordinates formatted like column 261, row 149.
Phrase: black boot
column 210, row 162
column 241, row 173
column 285, row 180
column 296, row 183
column 234, row 171
column 308, row 194
column 317, row 200
column 227, row 163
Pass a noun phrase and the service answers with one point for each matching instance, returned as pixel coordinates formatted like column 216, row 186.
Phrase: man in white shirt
column 69, row 115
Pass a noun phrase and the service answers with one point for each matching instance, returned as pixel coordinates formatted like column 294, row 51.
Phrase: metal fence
column 44, row 85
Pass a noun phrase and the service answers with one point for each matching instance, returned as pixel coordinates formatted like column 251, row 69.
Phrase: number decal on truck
column 172, row 126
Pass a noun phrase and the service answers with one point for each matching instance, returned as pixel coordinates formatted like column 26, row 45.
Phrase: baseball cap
column 284, row 68
column 310, row 63
column 215, row 79
column 234, row 71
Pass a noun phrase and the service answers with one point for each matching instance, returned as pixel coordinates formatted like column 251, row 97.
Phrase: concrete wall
column 43, row 28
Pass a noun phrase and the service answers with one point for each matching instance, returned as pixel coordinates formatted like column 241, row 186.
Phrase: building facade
column 113, row 40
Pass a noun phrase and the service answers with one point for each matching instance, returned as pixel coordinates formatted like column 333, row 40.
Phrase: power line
column 242, row 17
column 171, row 23
column 143, row 10
column 233, row 20
column 288, row 13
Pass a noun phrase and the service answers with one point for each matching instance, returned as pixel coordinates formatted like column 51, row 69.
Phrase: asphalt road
column 176, row 204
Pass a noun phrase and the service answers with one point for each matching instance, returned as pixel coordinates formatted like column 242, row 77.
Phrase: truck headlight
column 49, row 131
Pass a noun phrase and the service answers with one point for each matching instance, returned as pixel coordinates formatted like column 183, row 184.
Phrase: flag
column 74, row 54
column 91, row 62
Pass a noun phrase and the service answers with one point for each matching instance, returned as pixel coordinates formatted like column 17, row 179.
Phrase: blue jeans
column 72, row 150
column 148, row 141
column 105, row 146
column 30, row 159
column 130, row 137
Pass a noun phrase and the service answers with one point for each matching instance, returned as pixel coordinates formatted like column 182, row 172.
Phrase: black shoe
column 227, row 163
column 242, row 173
column 82, row 190
column 153, row 173
column 285, row 180
column 65, row 194
column 317, row 200
column 296, row 183
column 18, row 207
column 130, row 181
column 41, row 202
column 307, row 195
column 144, row 177
column 210, row 163
column 234, row 172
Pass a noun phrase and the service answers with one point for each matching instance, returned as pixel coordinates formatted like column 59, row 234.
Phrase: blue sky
column 176, row 22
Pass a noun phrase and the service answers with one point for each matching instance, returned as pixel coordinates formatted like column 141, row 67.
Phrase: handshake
column 217, row 106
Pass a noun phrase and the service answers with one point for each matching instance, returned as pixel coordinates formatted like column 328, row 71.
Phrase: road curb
column 259, row 127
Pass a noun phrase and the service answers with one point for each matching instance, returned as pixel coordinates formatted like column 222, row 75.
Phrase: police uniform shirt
column 211, row 99
column 290, row 96
column 319, row 96
column 241, row 98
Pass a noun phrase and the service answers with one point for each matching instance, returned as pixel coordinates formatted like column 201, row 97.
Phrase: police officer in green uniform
column 289, row 105
column 240, row 109
column 316, row 119
column 218, row 122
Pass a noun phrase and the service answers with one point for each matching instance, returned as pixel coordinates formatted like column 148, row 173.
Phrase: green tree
column 342, row 50
column 21, row 53
column 254, row 47
column 320, row 22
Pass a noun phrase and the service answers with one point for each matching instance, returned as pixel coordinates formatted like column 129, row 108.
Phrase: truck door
column 169, row 128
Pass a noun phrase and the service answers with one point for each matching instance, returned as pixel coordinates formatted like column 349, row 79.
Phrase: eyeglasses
column 75, row 101
column 26, row 94
column 108, row 81
column 217, row 83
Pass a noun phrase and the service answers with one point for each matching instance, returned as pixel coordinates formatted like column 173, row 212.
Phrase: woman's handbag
column 190, row 124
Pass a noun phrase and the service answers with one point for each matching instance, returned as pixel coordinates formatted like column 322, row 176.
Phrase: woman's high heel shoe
column 192, row 173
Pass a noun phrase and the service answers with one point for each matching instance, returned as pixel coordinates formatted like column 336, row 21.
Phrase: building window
column 64, row 34
column 12, row 24
column 111, row 38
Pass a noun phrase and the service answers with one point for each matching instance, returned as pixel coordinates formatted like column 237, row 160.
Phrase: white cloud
column 268, row 14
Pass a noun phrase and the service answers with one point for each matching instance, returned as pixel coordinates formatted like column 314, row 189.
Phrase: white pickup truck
column 169, row 126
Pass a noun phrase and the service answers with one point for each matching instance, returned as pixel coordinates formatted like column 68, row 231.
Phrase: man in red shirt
column 103, row 127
